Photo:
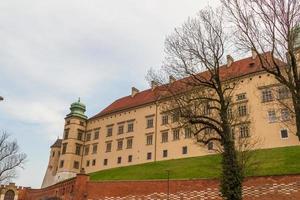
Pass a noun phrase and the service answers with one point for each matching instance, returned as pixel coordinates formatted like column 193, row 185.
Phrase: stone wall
column 79, row 188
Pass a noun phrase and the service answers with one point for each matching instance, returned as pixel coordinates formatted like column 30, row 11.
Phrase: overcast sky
column 54, row 51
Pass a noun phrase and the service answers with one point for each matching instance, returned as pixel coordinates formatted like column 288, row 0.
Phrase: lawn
column 275, row 161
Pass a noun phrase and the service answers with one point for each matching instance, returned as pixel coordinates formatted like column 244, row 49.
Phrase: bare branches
column 271, row 27
column 10, row 158
column 195, row 54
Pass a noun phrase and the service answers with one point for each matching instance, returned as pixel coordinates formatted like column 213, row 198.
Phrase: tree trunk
column 232, row 177
column 296, row 106
column 297, row 116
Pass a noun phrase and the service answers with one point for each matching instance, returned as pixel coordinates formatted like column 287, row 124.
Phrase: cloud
column 53, row 51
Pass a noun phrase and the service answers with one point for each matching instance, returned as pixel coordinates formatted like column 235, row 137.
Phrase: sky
column 54, row 51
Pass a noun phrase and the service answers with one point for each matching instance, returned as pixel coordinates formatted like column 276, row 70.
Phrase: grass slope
column 276, row 161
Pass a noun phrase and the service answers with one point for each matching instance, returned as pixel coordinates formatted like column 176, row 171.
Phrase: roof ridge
column 238, row 68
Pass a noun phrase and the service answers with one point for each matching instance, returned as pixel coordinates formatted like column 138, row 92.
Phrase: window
column 241, row 96
column 88, row 137
column 79, row 135
column 284, row 133
column 129, row 143
column 242, row 110
column 120, row 145
column 78, row 149
column 283, row 93
column 130, row 127
column 244, row 131
column 267, row 95
column 61, row 164
column 119, row 160
column 164, row 137
column 53, row 153
column 68, row 121
column 165, row 119
column 175, row 117
column 76, row 165
column 184, row 150
column 95, row 147
column 108, row 147
column 210, row 146
column 66, row 136
column 187, row 132
column 272, row 116
column 81, row 123
column 285, row 114
column 149, row 156
column 120, row 129
column 130, row 158
column 165, row 153
column 105, row 162
column 109, row 131
column 176, row 134
column 87, row 163
column 94, row 162
column 150, row 122
column 64, row 149
column 96, row 135
column 149, row 139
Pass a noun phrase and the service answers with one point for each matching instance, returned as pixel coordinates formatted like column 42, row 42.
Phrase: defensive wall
column 81, row 187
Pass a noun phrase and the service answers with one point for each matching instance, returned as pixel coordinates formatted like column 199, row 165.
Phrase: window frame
column 165, row 153
column 129, row 143
column 130, row 127
column 149, row 139
column 150, row 122
column 272, row 118
column 184, row 150
column 267, row 95
column 164, row 119
column 108, row 144
column 176, row 134
column 149, row 155
column 164, row 137
column 287, row 133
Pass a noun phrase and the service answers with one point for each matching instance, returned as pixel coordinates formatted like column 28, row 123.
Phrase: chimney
column 153, row 85
column 172, row 79
column 229, row 60
column 254, row 54
column 134, row 91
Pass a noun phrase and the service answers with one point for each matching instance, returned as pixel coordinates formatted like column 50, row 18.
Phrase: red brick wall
column 263, row 188
column 126, row 188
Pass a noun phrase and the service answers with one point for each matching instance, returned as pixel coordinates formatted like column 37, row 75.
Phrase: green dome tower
column 70, row 161
column 77, row 110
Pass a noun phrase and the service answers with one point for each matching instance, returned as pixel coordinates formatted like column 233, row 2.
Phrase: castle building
column 134, row 129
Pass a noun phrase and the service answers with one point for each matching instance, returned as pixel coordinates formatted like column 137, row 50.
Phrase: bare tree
column 10, row 158
column 271, row 26
column 201, row 99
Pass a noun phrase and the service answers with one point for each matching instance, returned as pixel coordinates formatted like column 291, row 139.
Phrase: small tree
column 10, row 158
column 203, row 100
column 271, row 26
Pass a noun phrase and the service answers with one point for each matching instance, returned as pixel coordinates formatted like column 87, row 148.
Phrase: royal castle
column 135, row 129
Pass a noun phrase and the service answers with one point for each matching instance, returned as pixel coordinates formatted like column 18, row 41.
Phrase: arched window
column 9, row 195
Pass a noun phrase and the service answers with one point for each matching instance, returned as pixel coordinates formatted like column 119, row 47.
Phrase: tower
column 70, row 159
column 49, row 178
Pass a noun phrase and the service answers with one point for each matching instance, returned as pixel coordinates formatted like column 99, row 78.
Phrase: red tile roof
column 238, row 68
